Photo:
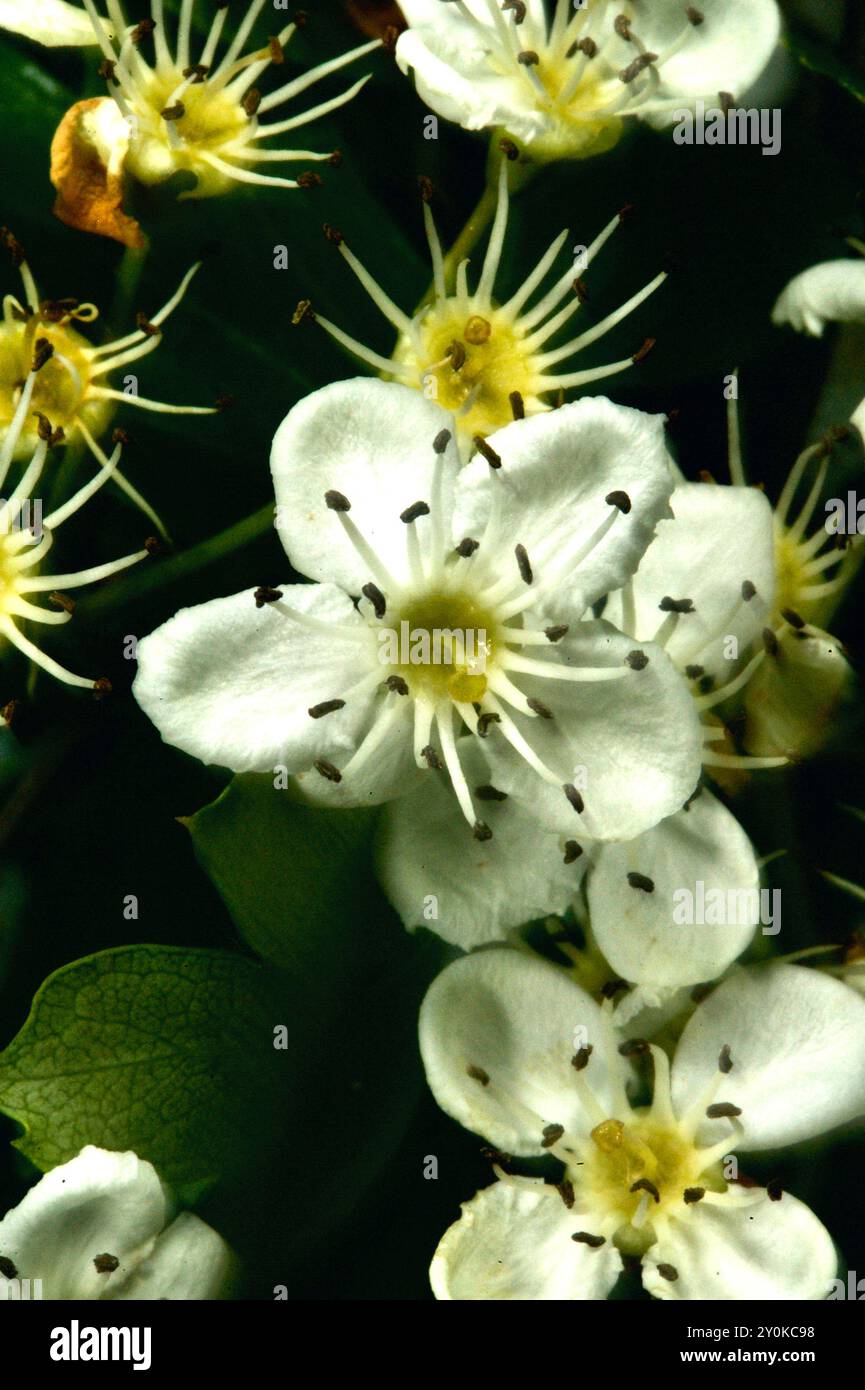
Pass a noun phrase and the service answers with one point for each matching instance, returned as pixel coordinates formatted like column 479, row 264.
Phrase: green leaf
column 162, row 1050
column 814, row 56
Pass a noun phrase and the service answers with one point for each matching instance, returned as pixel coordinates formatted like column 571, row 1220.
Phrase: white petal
column 429, row 863
column 744, row 1250
column 721, row 536
column 631, row 746
column 832, row 292
column 232, row 684
column 99, row 1203
column 513, row 1242
column 557, row 469
column 652, row 938
column 797, row 1042
column 520, row 1021
column 190, row 1261
column 51, row 22
column 373, row 442
column 727, row 53
column 388, row 771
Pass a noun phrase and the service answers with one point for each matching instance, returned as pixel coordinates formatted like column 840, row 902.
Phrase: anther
column 8, row 1268
column 509, row 150
column 332, row 234
column 484, row 722
column 106, row 1264
column 556, row 632
column 793, row 618
column 517, row 404
column 426, row 188
column 308, row 179
column 277, row 54
column 431, row 758
column 397, row 685
column 143, row 324
column 626, row 212
column 43, row 351
column 613, row 987
column 327, row 770
column 692, row 1195
column 633, row 1047
column 645, row 1185
column 337, row 501
column 580, row 1059
column 106, row 70
column 694, row 16
column 528, row 58
column 589, row 47
column 748, row 590
column 326, row 707
column 638, row 661
column 478, row 330
column 457, row 354
column 676, row 605
column 619, row 499
column 574, row 797
column 466, row 547
column 539, row 707
column 478, row 1074
column 639, row 64
column 581, row 290
column 376, row 598
column 251, row 102
column 643, row 351
column 441, row 441
column 488, row 453
column 518, row 7
column 523, row 564
column 552, row 1134
column 585, row 1238
column 723, row 1111
column 63, row 601
column 265, row 594
column 413, row 512
column 303, row 312
column 668, row 1272
column 102, row 687
column 641, row 881
column 481, row 831
column 572, row 851
column 490, row 793
column 622, row 26
column 726, row 101
column 725, row 1061
column 173, row 113
column 774, row 1190
column 565, row 1190
column 198, row 72
column 692, row 798
column 694, row 672
column 770, row 642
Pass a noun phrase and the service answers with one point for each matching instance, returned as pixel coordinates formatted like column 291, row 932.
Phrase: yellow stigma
column 62, row 383
column 202, row 120
column 471, row 364
column 578, row 127
column 444, row 647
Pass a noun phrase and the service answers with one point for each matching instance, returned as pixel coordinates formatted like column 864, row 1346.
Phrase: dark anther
column 251, row 102
column 725, row 1061
column 645, row 1185
column 106, row 1264
column 457, row 354
column 489, row 454
column 426, row 188
column 748, row 590
column 566, row 1192
column 12, row 245
column 528, row 58
column 726, row 101
column 692, row 798
column 303, row 312
column 722, row 1111
column 622, row 26
column 481, row 831
column 585, row 1238
column 332, row 234
column 589, row 47
column 580, row 289
column 639, row 64
column 793, row 618
column 574, row 797
column 308, row 179
column 694, row 15
column 518, row 409
column 613, row 987
column 337, row 501
column 478, row 1074
column 143, row 324
column 634, row 1047
column 539, row 707
column 441, row 441
column 141, row 30
column 694, row 672
column 518, row 7
column 619, row 499
column 638, row 661
column 224, row 402
column 327, row 770
column 466, row 547
column 490, row 793
column 676, row 605
column 43, row 351
column 414, row 511
column 572, row 851
column 396, row 685
column 484, row 722
column 326, row 707
column 645, row 885
column 580, row 1059
column 198, row 72
column 376, row 598
column 431, row 758
column 334, row 159
column 62, row 601
column 173, row 113
column 770, row 642
column 693, row 1194
column 509, row 150
column 265, row 595
column 154, row 546
column 556, row 632
column 668, row 1272
column 774, row 1190
column 277, row 54
column 626, row 212
column 102, row 687
column 7, row 1268
column 106, row 70
column 523, row 564
column 552, row 1135
column 643, row 351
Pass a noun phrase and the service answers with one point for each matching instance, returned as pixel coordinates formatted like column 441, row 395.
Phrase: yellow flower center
column 200, row 120
column 61, row 389
column 578, row 128
column 444, row 645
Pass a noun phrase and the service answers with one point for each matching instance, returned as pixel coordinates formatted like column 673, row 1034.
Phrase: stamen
column 487, row 451
column 693, row 1194
column 725, row 1061
column 523, row 564
column 723, row 1110
column 668, row 1272
column 646, row 1185
column 572, row 851
column 326, row 707
column 412, row 513
column 327, row 770
column 642, row 882
column 585, row 1238
column 574, row 797
column 478, row 1074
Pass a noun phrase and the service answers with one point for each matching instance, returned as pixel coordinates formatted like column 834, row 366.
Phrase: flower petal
column 726, row 53
column 832, row 292
column 652, row 938
column 797, row 1043
column 99, row 1203
column 557, row 469
column 513, row 1242
column 373, row 442
column 189, row 1261
column 743, row 1250
column 51, row 22
column 233, row 684
column 517, row 1021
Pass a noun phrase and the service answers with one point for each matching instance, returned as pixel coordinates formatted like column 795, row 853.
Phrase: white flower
column 188, row 111
column 26, row 537
column 489, row 362
column 100, row 1226
column 563, row 88
column 509, row 553
column 832, row 292
column 516, row 1052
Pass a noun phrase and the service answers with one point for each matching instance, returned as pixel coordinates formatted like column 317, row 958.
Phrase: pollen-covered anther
column 485, row 722
column 325, row 707
column 646, row 1185
column 487, row 451
column 466, row 547
column 571, row 852
column 523, row 564
column 265, row 594
column 396, row 685
column 774, row 1190
column 481, row 831
column 539, row 708
column 586, row 1238
column 692, row 1195
column 620, row 500
column 641, row 882
column 725, row 1061
column 574, row 797
column 676, row 605
column 518, row 405
column 431, row 758
column 668, row 1272
column 417, row 509
column 638, row 661
column 478, row 1074
column 556, row 632
column 337, row 501
column 327, row 770
column 722, row 1110
column 377, row 599
column 580, row 1059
